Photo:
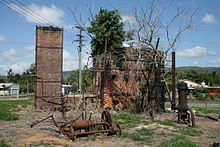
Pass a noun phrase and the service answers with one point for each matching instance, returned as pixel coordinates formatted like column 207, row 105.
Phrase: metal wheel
column 73, row 134
column 117, row 130
column 106, row 116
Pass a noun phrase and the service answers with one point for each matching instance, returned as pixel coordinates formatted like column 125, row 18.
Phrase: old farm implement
column 81, row 127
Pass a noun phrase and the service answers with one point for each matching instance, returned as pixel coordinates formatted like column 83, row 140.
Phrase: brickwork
column 49, row 56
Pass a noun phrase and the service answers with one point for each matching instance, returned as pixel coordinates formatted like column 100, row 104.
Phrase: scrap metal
column 82, row 127
column 185, row 114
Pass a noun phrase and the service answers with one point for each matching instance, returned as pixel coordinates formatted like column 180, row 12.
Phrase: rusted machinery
column 185, row 114
column 81, row 127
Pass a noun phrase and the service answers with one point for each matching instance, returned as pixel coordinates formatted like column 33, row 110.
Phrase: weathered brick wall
column 49, row 56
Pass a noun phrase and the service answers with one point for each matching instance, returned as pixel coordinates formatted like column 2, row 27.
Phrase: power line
column 23, row 10
column 17, row 10
column 38, row 16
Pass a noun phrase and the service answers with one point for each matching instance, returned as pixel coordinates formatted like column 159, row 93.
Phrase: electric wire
column 24, row 11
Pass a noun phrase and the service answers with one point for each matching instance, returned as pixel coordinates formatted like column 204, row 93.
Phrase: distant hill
column 66, row 74
column 184, row 68
column 195, row 68
column 199, row 69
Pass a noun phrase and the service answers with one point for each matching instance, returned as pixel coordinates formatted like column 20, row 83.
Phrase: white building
column 191, row 83
column 67, row 89
column 9, row 89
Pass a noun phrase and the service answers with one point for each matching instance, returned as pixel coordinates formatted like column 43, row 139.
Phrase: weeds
column 9, row 107
column 190, row 132
column 143, row 135
column 128, row 120
column 208, row 110
column 166, row 122
column 178, row 141
column 4, row 144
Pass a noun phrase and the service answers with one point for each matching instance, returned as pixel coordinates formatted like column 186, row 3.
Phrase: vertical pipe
column 173, row 103
column 36, row 69
column 80, row 57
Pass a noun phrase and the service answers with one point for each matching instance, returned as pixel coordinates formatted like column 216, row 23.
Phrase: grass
column 143, row 135
column 127, row 120
column 178, row 141
column 9, row 107
column 208, row 110
column 190, row 132
column 166, row 122
column 4, row 144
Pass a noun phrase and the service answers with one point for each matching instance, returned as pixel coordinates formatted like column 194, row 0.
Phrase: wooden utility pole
column 80, row 68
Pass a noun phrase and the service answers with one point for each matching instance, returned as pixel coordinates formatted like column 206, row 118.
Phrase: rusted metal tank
column 185, row 114
column 182, row 91
column 81, row 124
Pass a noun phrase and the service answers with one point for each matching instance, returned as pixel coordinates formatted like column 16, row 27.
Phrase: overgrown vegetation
column 4, row 144
column 127, row 120
column 166, row 122
column 190, row 132
column 178, row 141
column 143, row 135
column 9, row 107
column 208, row 110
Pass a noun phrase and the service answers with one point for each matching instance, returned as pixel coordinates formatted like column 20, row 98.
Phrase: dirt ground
column 19, row 133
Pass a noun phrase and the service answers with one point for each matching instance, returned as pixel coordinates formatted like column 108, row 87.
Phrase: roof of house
column 5, row 85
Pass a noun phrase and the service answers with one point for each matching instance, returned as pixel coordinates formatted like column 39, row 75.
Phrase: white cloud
column 34, row 13
column 30, row 48
column 70, row 61
column 195, row 62
column 19, row 67
column 9, row 56
column 197, row 51
column 218, row 59
column 2, row 38
column 208, row 19
column 127, row 18
column 16, row 59
column 68, row 26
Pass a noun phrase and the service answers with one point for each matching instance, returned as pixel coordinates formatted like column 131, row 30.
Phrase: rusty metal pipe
column 173, row 102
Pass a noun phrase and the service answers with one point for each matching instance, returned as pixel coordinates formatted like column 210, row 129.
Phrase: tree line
column 26, row 80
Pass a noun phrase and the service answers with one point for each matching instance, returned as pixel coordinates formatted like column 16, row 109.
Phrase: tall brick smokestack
column 49, row 60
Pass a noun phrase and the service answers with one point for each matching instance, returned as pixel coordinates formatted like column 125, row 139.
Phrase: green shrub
column 4, row 144
column 205, row 90
column 201, row 96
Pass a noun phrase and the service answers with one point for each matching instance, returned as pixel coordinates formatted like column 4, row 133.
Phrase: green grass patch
column 178, row 141
column 166, row 122
column 143, row 135
column 208, row 110
column 127, row 120
column 9, row 107
column 4, row 144
column 190, row 132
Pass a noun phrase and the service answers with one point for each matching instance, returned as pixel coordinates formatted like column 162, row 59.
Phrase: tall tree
column 106, row 24
column 148, row 29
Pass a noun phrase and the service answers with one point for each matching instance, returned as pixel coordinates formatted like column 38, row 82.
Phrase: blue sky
column 199, row 47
